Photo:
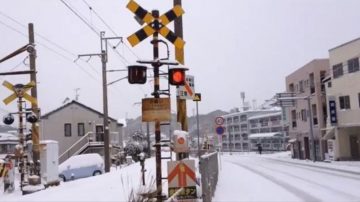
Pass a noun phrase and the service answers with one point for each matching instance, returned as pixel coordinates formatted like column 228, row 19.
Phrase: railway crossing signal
column 150, row 29
column 19, row 91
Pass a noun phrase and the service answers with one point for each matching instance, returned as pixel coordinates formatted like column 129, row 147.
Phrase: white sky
column 231, row 46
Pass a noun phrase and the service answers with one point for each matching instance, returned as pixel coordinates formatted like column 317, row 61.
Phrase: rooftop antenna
column 77, row 94
column 242, row 95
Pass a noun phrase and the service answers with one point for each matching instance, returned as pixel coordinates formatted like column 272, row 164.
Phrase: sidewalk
column 349, row 166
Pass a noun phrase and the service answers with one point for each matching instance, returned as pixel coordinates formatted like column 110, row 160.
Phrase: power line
column 81, row 18
column 44, row 38
column 52, row 50
column 109, row 27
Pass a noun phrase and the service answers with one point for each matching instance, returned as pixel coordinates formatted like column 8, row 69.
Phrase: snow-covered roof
column 264, row 135
column 265, row 115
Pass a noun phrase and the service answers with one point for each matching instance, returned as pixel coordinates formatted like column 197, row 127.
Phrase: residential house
column 305, row 83
column 78, row 128
column 343, row 98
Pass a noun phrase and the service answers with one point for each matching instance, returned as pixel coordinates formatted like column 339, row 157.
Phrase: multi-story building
column 239, row 126
column 306, row 84
column 343, row 98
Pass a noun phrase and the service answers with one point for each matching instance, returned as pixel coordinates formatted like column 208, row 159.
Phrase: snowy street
column 243, row 177
column 260, row 178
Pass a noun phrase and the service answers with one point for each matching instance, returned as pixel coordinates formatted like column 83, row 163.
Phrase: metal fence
column 209, row 170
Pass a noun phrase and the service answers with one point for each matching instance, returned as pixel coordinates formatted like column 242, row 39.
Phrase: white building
column 239, row 126
column 343, row 100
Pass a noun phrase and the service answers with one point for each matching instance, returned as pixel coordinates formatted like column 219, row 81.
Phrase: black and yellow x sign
column 148, row 30
column 20, row 91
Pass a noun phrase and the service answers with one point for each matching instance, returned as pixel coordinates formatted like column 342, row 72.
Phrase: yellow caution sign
column 19, row 91
column 148, row 30
column 197, row 97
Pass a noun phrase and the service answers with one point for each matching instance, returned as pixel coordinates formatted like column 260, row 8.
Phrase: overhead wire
column 45, row 39
column 91, row 8
column 50, row 49
column 97, row 32
column 108, row 26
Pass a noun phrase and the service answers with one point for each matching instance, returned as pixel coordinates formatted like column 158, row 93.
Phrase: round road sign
column 219, row 120
column 220, row 130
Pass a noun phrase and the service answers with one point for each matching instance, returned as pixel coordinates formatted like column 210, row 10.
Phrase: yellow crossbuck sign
column 148, row 30
column 20, row 91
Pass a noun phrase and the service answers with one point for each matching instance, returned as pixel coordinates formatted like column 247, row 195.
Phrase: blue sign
column 332, row 109
column 220, row 130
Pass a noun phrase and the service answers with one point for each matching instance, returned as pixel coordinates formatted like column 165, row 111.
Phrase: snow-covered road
column 258, row 178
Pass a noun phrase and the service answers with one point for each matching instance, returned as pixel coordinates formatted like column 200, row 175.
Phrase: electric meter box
column 49, row 162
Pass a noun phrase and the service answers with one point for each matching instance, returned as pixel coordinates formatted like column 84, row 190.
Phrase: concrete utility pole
column 35, row 136
column 104, row 59
column 179, row 55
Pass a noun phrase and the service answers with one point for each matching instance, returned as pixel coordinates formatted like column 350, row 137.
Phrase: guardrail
column 209, row 170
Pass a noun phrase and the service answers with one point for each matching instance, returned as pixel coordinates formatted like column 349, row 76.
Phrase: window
column 291, row 88
column 303, row 115
column 293, row 117
column 359, row 99
column 81, row 129
column 67, row 129
column 353, row 65
column 338, row 70
column 344, row 102
column 314, row 114
column 312, row 83
column 301, row 86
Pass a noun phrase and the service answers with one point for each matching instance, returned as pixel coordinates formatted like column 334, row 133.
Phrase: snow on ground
column 243, row 177
column 277, row 177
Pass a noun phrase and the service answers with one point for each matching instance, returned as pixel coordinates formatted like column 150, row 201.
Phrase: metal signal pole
column 155, row 14
column 181, row 103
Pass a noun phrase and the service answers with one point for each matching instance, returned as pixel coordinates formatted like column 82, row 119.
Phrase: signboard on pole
column 187, row 91
column 220, row 130
column 181, row 175
column 219, row 120
column 156, row 109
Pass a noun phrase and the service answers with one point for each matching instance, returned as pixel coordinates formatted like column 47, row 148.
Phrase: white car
column 80, row 166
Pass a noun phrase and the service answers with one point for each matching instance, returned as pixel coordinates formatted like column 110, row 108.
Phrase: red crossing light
column 177, row 76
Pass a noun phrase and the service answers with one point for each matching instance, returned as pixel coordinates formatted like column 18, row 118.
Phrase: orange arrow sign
column 181, row 170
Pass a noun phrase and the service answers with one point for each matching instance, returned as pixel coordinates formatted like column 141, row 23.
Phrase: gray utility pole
column 104, row 59
column 198, row 128
column 311, row 132
column 35, row 136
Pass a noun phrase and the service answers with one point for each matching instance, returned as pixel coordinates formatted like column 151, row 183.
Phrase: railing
column 209, row 171
column 76, row 147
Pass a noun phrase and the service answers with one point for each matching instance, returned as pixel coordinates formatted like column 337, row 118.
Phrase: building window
column 312, row 83
column 81, row 129
column 291, row 88
column 303, row 115
column 314, row 114
column 344, row 102
column 67, row 129
column 359, row 99
column 301, row 85
column 353, row 65
column 293, row 118
column 338, row 70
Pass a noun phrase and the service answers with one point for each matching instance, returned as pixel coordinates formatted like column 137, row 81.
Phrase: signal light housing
column 177, row 76
column 137, row 74
column 8, row 119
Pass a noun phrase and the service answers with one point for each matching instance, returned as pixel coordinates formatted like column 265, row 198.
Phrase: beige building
column 306, row 82
column 78, row 129
column 343, row 97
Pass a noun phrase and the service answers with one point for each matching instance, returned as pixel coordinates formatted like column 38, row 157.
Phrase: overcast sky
column 231, row 46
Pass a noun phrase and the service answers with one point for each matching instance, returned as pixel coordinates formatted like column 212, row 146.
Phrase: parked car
column 80, row 166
